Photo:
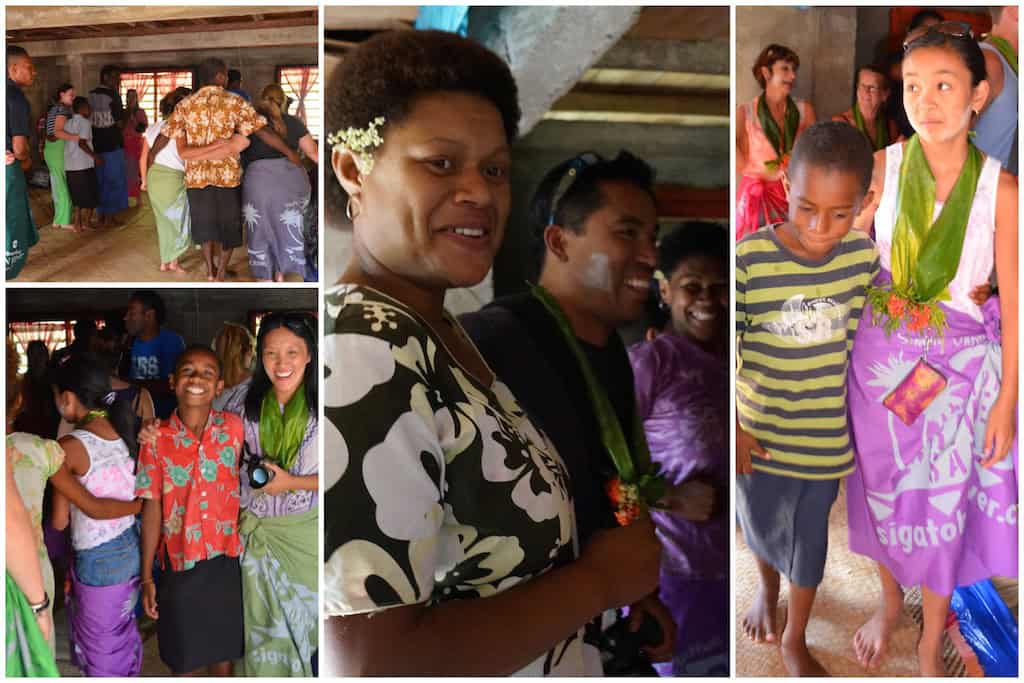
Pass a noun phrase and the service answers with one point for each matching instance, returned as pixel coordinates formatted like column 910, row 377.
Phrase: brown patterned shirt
column 209, row 115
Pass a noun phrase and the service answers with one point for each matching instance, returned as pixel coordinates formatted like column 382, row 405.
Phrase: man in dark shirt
column 20, row 231
column 235, row 84
column 108, row 142
column 594, row 223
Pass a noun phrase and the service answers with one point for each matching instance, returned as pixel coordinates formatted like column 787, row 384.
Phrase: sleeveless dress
column 919, row 501
column 762, row 198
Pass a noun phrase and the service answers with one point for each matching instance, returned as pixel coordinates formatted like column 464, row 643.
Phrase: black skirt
column 83, row 188
column 201, row 615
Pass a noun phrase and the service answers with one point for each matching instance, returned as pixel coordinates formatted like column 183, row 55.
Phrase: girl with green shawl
column 278, row 522
column 868, row 112
column 765, row 132
column 53, row 152
column 932, row 384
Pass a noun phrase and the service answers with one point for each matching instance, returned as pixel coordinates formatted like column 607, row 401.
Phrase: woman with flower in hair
column 440, row 491
column 275, row 193
column 765, row 132
column 933, row 374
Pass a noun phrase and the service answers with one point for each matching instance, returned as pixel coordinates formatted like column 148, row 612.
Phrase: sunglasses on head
column 953, row 29
column 565, row 183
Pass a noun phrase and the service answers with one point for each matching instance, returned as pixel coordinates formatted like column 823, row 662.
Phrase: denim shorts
column 110, row 563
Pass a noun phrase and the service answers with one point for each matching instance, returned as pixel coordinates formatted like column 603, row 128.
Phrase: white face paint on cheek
column 598, row 275
column 813, row 223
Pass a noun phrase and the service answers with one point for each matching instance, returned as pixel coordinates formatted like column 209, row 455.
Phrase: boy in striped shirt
column 800, row 291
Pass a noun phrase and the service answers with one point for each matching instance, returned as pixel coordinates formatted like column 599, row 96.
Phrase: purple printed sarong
column 919, row 501
column 104, row 638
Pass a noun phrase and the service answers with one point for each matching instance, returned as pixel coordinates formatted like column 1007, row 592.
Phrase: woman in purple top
column 682, row 397
column 278, row 522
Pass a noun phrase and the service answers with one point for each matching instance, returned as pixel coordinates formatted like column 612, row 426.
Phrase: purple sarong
column 919, row 501
column 104, row 638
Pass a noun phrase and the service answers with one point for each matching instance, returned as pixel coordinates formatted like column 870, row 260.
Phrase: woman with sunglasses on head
column 449, row 523
column 279, row 482
column 933, row 375
column 765, row 132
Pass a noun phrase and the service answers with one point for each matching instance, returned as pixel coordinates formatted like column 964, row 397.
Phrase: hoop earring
column 348, row 211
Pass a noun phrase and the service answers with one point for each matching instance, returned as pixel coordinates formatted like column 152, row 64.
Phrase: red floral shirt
column 196, row 482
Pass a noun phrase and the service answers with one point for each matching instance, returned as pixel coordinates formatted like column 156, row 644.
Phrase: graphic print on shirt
column 809, row 321
column 146, row 367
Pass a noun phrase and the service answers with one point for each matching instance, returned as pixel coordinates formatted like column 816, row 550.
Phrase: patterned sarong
column 759, row 202
column 104, row 638
column 280, row 568
column 20, row 230
column 166, row 189
column 28, row 654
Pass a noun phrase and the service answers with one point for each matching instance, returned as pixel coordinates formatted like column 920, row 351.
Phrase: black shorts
column 83, row 188
column 201, row 615
column 216, row 214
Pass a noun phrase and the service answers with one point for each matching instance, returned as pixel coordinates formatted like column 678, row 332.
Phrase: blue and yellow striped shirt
column 795, row 322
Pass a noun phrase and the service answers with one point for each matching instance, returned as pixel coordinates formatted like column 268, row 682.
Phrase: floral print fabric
column 437, row 487
column 206, row 116
column 196, row 481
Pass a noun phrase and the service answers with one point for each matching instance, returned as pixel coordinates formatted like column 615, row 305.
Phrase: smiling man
column 594, row 222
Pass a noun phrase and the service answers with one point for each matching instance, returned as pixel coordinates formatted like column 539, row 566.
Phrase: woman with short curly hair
column 440, row 490
column 766, row 129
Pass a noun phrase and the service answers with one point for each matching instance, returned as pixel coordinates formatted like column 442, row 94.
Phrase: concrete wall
column 823, row 37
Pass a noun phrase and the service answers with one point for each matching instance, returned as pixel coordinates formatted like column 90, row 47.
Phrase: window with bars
column 152, row 86
column 301, row 83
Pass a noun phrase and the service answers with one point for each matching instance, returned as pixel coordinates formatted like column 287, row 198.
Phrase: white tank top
column 978, row 257
column 111, row 474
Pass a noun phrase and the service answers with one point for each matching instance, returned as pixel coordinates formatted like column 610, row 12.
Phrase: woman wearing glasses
column 868, row 112
column 449, row 534
column 765, row 132
column 933, row 375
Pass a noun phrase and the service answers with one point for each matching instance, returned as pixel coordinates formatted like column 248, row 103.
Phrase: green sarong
column 166, row 189
column 20, row 230
column 28, row 653
column 280, row 566
column 53, row 152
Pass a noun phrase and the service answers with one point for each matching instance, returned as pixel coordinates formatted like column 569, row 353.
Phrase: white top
column 111, row 474
column 168, row 156
column 75, row 158
column 978, row 257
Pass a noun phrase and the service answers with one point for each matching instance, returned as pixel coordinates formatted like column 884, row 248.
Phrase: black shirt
column 295, row 131
column 18, row 114
column 522, row 343
column 107, row 111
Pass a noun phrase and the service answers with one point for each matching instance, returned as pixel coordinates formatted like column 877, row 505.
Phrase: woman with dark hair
column 278, row 522
column 163, row 179
column 766, row 129
column 682, row 383
column 440, row 490
column 57, row 115
column 37, row 415
column 36, row 461
column 100, row 452
column 933, row 374
column 871, row 91
column 275, row 193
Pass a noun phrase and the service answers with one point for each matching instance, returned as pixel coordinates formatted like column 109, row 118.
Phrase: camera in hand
column 259, row 474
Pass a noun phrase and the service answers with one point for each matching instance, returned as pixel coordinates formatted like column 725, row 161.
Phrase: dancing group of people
column 876, row 316
column 205, row 521
column 101, row 151
column 521, row 453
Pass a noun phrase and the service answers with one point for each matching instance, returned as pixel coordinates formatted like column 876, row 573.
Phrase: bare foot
column 759, row 623
column 799, row 662
column 871, row 642
column 929, row 660
column 163, row 267
column 175, row 267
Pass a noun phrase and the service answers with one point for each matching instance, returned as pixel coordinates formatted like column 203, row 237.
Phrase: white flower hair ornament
column 361, row 142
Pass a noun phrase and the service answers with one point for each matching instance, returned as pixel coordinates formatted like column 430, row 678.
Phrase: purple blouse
column 682, row 398
column 307, row 462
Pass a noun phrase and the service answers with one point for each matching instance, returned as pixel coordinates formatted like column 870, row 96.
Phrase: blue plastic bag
column 988, row 626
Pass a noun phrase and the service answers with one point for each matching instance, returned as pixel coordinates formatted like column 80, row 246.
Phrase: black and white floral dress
column 437, row 487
